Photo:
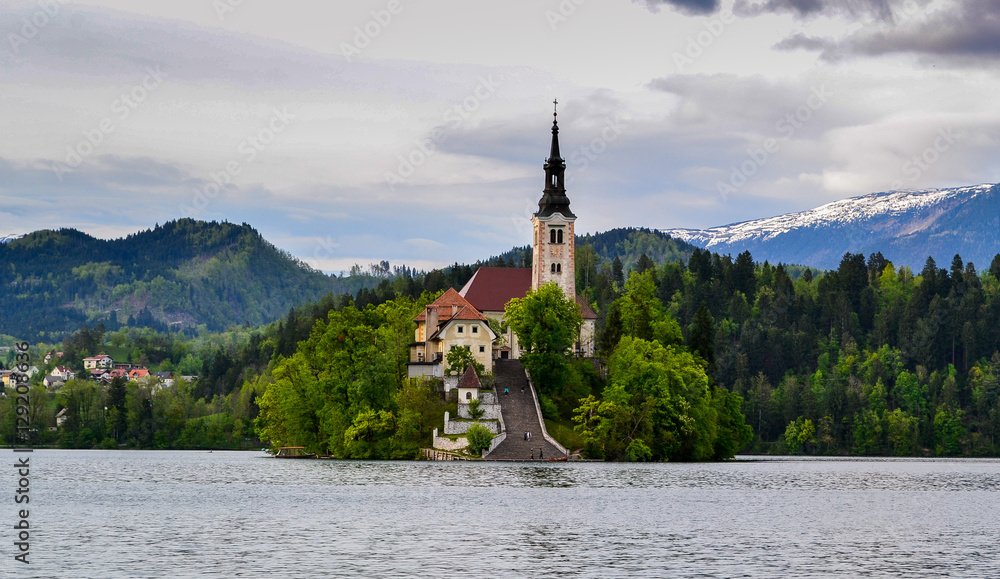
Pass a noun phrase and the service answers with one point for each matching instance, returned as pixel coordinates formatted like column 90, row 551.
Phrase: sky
column 415, row 132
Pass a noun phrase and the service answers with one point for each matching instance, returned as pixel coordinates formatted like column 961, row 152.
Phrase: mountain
column 906, row 226
column 9, row 238
column 180, row 275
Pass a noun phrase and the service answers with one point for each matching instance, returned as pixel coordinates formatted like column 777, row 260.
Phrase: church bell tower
column 554, row 245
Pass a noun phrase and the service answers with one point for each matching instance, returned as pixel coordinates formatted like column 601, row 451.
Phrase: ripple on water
column 221, row 514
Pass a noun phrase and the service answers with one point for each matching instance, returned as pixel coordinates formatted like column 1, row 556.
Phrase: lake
column 232, row 514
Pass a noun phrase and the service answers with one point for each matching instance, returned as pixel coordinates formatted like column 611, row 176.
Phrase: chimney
column 454, row 310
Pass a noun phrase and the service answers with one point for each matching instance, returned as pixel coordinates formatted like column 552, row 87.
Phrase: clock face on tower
column 556, row 251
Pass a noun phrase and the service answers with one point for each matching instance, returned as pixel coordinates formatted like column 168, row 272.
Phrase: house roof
column 452, row 306
column 101, row 357
column 491, row 288
column 585, row 311
column 470, row 379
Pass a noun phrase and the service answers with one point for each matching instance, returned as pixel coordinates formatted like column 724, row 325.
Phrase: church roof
column 451, row 306
column 554, row 199
column 491, row 288
column 470, row 379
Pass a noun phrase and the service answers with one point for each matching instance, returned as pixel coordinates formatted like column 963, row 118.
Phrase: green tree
column 948, row 432
column 642, row 313
column 546, row 324
column 479, row 438
column 798, row 433
column 459, row 359
column 475, row 412
column 701, row 336
column 658, row 396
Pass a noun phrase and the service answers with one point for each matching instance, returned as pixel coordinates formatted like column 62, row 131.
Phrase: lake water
column 227, row 514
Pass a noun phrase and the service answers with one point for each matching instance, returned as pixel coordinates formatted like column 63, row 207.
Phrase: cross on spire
column 555, row 108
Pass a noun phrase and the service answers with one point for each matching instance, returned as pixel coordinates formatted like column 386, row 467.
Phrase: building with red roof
column 441, row 327
column 449, row 322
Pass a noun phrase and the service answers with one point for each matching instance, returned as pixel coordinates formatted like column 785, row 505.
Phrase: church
column 470, row 317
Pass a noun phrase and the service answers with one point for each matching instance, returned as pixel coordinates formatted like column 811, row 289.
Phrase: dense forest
column 179, row 275
column 869, row 358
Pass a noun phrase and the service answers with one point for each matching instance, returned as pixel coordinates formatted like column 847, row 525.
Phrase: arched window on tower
column 559, row 236
column 558, row 268
column 552, row 236
column 553, row 268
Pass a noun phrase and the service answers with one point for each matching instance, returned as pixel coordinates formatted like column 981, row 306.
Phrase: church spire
column 554, row 199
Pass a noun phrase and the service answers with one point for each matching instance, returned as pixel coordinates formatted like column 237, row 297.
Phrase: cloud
column 691, row 7
column 805, row 9
column 966, row 34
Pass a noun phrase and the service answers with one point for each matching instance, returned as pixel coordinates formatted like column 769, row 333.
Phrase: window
column 559, row 236
column 461, row 329
column 482, row 349
column 553, row 268
column 468, row 395
column 552, row 236
column 475, row 329
column 453, row 346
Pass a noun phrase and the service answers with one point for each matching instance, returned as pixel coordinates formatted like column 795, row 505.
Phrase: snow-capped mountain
column 906, row 226
column 9, row 238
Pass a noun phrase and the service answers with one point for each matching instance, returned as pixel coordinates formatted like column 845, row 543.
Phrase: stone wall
column 442, row 443
column 462, row 426
column 487, row 403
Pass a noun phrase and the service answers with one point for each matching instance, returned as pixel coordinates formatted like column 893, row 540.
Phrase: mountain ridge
column 906, row 226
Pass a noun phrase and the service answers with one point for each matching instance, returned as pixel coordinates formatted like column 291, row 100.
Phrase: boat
column 294, row 452
column 559, row 459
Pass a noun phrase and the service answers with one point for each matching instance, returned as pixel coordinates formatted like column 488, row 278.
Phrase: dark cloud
column 693, row 7
column 968, row 33
column 853, row 9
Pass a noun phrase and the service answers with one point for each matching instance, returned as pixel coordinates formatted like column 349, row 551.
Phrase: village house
column 448, row 323
column 102, row 361
column 64, row 373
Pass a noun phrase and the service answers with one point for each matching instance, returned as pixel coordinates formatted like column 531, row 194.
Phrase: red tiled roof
column 444, row 306
column 491, row 288
column 470, row 379
column 585, row 311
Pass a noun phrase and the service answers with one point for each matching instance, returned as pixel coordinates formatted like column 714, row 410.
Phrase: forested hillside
column 179, row 275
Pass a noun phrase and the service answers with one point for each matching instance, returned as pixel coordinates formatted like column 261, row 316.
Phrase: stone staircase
column 520, row 415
